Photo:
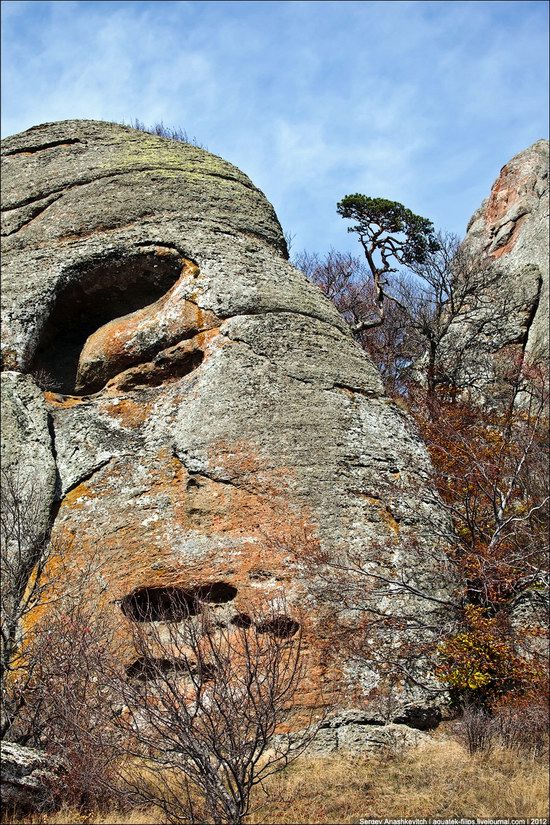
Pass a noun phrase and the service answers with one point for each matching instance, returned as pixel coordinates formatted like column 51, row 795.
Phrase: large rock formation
column 206, row 406
column 508, row 237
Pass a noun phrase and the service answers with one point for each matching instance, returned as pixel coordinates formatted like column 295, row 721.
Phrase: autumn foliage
column 480, row 662
column 491, row 473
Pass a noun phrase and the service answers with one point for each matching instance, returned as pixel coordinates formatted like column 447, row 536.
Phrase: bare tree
column 56, row 643
column 491, row 473
column 347, row 281
column 447, row 286
column 24, row 554
column 435, row 315
column 205, row 707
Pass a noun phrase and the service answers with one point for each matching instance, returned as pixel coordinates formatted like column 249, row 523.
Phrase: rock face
column 29, row 778
column 509, row 233
column 206, row 405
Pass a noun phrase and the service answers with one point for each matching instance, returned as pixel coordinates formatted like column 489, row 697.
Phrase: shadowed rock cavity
column 242, row 620
column 282, row 626
column 110, row 289
column 173, row 604
column 146, row 669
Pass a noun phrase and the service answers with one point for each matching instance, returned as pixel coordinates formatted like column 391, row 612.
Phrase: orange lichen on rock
column 62, row 402
column 169, row 511
column 504, row 193
column 503, row 213
column 384, row 511
column 135, row 337
column 131, row 413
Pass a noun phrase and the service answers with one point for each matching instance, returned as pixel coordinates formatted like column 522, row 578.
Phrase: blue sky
column 420, row 102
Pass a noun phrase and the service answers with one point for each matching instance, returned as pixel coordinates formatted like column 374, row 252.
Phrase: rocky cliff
column 508, row 237
column 203, row 406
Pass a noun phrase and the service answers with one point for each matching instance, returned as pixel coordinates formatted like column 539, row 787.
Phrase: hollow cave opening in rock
column 242, row 620
column 146, row 668
column 160, row 604
column 95, row 294
column 152, row 668
column 174, row 604
column 216, row 593
column 282, row 626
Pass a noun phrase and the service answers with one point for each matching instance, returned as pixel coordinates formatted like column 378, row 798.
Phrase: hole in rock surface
column 148, row 668
column 151, row 668
column 159, row 604
column 162, row 372
column 282, row 626
column 97, row 293
column 422, row 718
column 216, row 593
column 242, row 620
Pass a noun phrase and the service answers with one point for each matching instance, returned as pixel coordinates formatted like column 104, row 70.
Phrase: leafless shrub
column 44, row 379
column 475, row 729
column 523, row 728
column 25, row 550
column 289, row 240
column 67, row 704
column 55, row 646
column 205, row 707
column 171, row 132
column 347, row 281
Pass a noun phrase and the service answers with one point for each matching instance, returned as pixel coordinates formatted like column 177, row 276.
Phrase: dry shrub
column 436, row 780
column 439, row 779
column 523, row 727
column 475, row 729
column 207, row 705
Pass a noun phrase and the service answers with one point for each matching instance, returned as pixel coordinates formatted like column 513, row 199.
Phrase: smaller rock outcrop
column 29, row 778
column 507, row 237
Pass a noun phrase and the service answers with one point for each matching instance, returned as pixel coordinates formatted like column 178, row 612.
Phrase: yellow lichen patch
column 190, row 269
column 167, row 252
column 129, row 412
column 62, row 402
column 385, row 513
column 75, row 497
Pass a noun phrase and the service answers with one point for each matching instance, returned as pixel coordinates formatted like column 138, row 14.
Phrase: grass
column 439, row 779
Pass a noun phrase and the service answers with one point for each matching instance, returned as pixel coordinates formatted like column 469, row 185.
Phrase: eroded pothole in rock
column 148, row 668
column 282, row 626
column 100, row 292
column 174, row 604
column 159, row 604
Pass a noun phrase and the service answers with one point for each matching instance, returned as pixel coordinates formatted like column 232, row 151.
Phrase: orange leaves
column 480, row 658
column 491, row 474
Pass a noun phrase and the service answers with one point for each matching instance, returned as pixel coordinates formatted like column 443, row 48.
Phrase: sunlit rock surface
column 509, row 233
column 209, row 411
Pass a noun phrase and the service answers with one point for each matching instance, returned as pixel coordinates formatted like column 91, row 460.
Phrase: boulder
column 29, row 778
column 211, row 417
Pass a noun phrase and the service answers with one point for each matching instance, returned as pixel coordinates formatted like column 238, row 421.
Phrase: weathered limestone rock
column 29, row 778
column 28, row 465
column 207, row 404
column 353, row 732
column 509, row 233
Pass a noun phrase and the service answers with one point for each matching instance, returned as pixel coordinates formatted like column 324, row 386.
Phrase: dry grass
column 436, row 780
column 439, row 780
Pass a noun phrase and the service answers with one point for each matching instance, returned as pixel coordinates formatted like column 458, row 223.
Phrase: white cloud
column 417, row 101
